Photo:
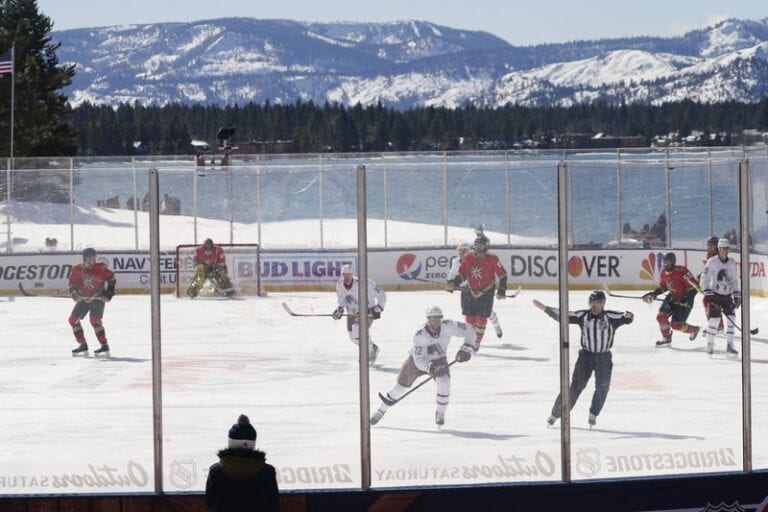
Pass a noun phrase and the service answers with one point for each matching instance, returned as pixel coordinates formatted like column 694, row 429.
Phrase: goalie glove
column 337, row 313
column 75, row 293
column 375, row 312
column 438, row 367
column 464, row 354
column 736, row 298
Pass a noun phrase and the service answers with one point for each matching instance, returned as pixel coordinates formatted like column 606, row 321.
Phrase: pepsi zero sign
column 409, row 266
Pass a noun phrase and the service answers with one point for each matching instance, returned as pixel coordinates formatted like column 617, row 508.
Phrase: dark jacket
column 242, row 481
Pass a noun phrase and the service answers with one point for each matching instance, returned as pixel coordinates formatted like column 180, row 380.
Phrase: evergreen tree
column 41, row 112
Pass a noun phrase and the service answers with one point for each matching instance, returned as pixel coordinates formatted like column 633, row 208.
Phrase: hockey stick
column 733, row 322
column 430, row 281
column 414, row 388
column 514, row 293
column 619, row 295
column 26, row 293
column 293, row 313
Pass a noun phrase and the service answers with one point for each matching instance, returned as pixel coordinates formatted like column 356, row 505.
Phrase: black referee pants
column 587, row 362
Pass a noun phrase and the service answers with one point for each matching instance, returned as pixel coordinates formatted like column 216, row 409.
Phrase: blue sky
column 520, row 22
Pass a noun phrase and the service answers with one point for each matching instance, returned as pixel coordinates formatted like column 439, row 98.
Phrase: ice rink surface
column 85, row 424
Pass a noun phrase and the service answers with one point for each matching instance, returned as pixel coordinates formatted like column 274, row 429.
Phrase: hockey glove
column 338, row 313
column 376, row 312
column 106, row 295
column 649, row 297
column 75, row 293
column 438, row 367
column 464, row 354
column 736, row 298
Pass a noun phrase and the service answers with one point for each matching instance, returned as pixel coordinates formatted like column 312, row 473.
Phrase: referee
column 598, row 327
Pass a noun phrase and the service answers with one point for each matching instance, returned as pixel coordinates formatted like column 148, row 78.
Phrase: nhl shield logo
column 183, row 473
column 588, row 461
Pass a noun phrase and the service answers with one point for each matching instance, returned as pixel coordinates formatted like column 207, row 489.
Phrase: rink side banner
column 47, row 273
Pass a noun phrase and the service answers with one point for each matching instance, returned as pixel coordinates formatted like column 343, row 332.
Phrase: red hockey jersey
column 90, row 281
column 481, row 272
column 677, row 281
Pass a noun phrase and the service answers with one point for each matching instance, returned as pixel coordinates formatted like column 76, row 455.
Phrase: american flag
column 6, row 62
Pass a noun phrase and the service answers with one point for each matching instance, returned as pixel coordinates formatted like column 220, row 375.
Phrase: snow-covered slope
column 405, row 64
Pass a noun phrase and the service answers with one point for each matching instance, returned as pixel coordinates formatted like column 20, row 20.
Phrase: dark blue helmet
column 597, row 296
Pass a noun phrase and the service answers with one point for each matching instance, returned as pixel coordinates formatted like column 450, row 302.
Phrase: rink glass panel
column 66, row 420
column 759, row 173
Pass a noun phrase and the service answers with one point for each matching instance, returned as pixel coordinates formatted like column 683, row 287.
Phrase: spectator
column 242, row 480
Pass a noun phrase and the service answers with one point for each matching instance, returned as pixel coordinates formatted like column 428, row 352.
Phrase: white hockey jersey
column 347, row 298
column 720, row 276
column 427, row 348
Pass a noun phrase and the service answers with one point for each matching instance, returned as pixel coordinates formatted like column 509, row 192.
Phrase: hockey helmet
column 462, row 248
column 670, row 258
column 481, row 244
column 208, row 244
column 712, row 241
column 597, row 296
column 434, row 311
column 723, row 243
column 434, row 317
column 89, row 253
column 346, row 270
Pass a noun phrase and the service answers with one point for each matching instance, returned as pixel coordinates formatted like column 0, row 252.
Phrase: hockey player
column 91, row 285
column 598, row 328
column 428, row 356
column 210, row 263
column 720, row 284
column 484, row 274
column 461, row 250
column 711, row 251
column 346, row 295
column 677, row 305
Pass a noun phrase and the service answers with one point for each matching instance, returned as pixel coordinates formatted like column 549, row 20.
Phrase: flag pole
column 8, row 182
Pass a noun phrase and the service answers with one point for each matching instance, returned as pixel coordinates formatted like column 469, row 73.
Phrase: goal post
column 243, row 267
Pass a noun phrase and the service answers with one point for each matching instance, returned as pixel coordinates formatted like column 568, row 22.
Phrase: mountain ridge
column 405, row 64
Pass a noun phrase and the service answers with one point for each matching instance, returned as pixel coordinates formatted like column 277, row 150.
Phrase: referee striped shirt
column 597, row 331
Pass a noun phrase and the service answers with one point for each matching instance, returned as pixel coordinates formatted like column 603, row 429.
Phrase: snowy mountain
column 405, row 64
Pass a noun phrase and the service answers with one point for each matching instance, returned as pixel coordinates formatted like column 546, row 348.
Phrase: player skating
column 598, row 328
column 711, row 251
column 346, row 300
column 91, row 285
column 720, row 284
column 484, row 274
column 210, row 263
column 428, row 355
column 677, row 305
column 462, row 250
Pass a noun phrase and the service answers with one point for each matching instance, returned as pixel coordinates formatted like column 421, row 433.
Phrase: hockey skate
column 710, row 348
column 102, row 351
column 387, row 399
column 439, row 419
column 377, row 416
column 592, row 420
column 664, row 342
column 731, row 350
column 694, row 333
column 81, row 350
column 497, row 328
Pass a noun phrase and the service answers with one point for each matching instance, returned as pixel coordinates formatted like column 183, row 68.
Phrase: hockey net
column 243, row 265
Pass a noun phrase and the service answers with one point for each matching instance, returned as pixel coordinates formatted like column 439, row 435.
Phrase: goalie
column 210, row 264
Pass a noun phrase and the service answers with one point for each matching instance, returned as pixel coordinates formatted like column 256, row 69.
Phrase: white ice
column 669, row 411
